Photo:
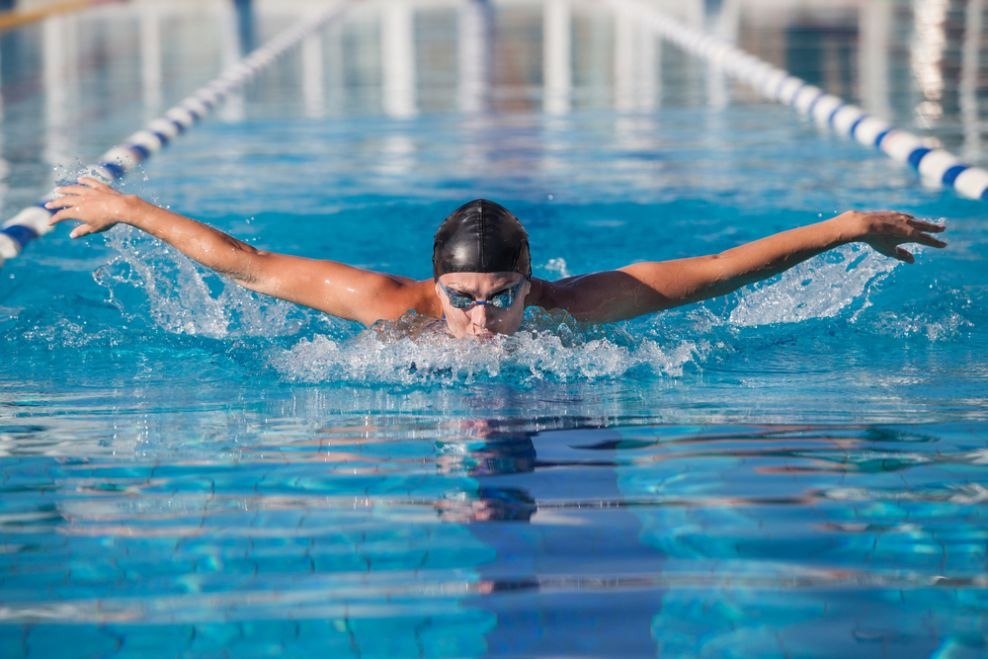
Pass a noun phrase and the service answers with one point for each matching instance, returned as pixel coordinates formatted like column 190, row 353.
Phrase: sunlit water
column 796, row 469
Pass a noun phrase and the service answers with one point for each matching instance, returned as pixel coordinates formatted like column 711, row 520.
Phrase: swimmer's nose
column 480, row 316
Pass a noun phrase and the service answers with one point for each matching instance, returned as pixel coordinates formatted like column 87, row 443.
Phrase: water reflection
column 500, row 57
column 399, row 91
column 501, row 526
column 557, row 56
column 246, row 30
column 475, row 55
column 354, row 517
column 486, row 451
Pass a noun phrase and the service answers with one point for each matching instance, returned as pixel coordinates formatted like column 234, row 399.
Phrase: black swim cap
column 481, row 236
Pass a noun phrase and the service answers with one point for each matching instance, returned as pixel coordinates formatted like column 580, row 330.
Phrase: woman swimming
column 482, row 266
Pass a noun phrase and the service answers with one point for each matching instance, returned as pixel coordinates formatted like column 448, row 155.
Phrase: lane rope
column 933, row 164
column 32, row 222
column 12, row 19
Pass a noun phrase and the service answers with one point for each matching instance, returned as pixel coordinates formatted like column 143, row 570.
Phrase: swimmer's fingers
column 921, row 231
column 79, row 231
column 904, row 255
column 65, row 201
column 918, row 231
column 96, row 214
column 62, row 215
column 85, row 187
column 93, row 203
column 95, row 184
column 73, row 213
column 70, row 213
column 78, row 190
column 926, row 239
column 923, row 225
column 894, row 250
column 86, row 229
column 886, row 231
column 891, row 249
column 64, row 208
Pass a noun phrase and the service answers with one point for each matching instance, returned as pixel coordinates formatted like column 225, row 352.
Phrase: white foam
column 819, row 288
column 183, row 298
column 556, row 268
column 147, row 279
column 64, row 333
column 904, row 325
column 531, row 355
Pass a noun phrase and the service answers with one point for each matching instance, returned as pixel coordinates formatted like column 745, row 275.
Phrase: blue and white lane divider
column 33, row 221
column 933, row 164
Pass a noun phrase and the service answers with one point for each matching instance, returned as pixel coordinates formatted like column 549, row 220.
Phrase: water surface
column 795, row 469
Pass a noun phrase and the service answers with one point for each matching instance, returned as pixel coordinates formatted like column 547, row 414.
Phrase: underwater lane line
column 33, row 222
column 934, row 164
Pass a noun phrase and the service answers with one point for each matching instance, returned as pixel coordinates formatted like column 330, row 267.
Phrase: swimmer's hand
column 330, row 286
column 886, row 231
column 650, row 286
column 98, row 206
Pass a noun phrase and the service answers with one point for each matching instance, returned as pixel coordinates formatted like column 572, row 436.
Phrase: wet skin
column 366, row 296
column 482, row 320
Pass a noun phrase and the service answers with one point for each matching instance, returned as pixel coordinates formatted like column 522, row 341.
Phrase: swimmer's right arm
column 329, row 286
column 647, row 287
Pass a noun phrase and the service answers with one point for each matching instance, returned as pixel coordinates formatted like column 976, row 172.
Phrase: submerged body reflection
column 558, row 556
column 487, row 451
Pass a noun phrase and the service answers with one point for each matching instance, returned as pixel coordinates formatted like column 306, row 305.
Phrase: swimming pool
column 797, row 469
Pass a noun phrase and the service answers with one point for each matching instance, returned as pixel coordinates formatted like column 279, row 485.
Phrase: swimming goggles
column 501, row 300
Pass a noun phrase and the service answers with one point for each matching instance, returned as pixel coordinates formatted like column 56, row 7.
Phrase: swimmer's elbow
column 715, row 268
column 246, row 265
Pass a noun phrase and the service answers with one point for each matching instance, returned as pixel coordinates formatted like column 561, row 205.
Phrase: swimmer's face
column 482, row 320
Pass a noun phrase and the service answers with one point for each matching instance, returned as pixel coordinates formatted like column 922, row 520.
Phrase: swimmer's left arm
column 643, row 288
column 330, row 286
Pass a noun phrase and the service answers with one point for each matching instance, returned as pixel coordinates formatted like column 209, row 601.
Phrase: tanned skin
column 367, row 296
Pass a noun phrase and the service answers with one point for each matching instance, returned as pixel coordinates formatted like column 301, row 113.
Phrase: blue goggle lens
column 501, row 300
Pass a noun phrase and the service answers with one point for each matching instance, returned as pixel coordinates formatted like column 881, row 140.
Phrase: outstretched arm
column 335, row 288
column 643, row 288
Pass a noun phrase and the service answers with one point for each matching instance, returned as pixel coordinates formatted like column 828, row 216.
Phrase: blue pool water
column 797, row 469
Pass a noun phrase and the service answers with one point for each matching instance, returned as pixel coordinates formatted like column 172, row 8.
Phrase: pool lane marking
column 33, row 222
column 18, row 17
column 933, row 164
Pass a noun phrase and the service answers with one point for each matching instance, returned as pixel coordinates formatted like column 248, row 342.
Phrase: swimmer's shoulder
column 402, row 294
column 580, row 296
column 543, row 294
column 422, row 299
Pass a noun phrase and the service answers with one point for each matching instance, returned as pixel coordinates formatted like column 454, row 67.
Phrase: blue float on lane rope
column 933, row 164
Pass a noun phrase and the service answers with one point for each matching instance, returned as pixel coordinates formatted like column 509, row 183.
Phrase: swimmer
column 482, row 266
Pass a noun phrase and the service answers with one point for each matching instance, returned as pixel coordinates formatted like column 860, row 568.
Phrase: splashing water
column 818, row 288
column 148, row 280
column 557, row 267
column 180, row 297
column 527, row 357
